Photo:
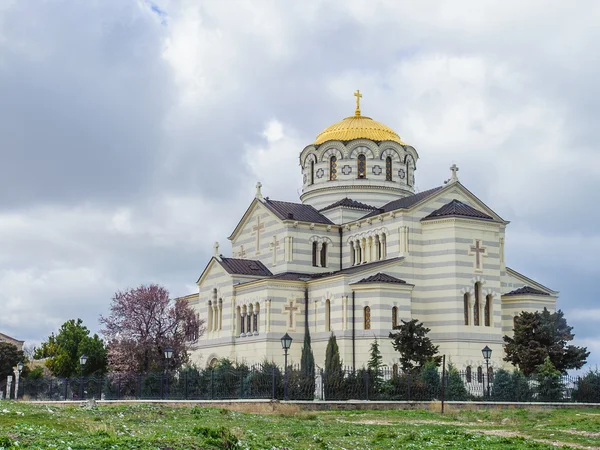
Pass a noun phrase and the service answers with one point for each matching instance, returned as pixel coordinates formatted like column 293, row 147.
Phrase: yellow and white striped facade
column 434, row 257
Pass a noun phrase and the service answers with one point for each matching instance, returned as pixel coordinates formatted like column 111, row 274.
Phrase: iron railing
column 266, row 381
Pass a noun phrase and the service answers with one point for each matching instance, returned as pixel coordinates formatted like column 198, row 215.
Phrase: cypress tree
column 334, row 374
column 375, row 364
column 333, row 363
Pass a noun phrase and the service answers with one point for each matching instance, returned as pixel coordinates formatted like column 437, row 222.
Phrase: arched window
column 479, row 375
column 466, row 308
column 352, row 254
column 367, row 314
column 315, row 248
column 487, row 311
column 327, row 315
column 395, row 370
column 324, row 255
column 333, row 168
column 469, row 375
column 210, row 316
column 476, row 305
column 362, row 166
column 388, row 168
column 238, row 320
column 490, row 374
column 515, row 322
column 220, row 312
column 394, row 317
column 312, row 172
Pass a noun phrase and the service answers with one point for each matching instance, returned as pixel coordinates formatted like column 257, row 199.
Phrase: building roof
column 237, row 266
column 525, row 290
column 349, row 203
column 357, row 127
column 6, row 337
column 457, row 208
column 296, row 211
column 405, row 202
column 298, row 276
column 381, row 278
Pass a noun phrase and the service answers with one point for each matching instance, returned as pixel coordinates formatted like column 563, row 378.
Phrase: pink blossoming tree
column 142, row 323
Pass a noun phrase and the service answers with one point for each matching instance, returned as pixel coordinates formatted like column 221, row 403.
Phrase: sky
column 132, row 133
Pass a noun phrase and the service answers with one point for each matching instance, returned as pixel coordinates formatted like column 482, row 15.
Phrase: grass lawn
column 278, row 427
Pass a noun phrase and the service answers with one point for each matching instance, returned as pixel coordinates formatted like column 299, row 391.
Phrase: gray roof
column 296, row 211
column 381, row 278
column 525, row 290
column 349, row 203
column 237, row 266
column 457, row 208
column 298, row 276
column 405, row 202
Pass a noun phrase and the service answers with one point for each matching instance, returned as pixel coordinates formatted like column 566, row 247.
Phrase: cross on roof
column 358, row 96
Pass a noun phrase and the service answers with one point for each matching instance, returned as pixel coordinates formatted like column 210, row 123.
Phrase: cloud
column 132, row 134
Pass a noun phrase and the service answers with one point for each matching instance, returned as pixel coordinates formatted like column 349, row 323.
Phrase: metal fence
column 268, row 381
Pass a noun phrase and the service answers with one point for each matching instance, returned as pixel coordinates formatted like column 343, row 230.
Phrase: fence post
column 66, row 387
column 409, row 383
column 273, row 382
column 443, row 380
column 119, row 389
column 366, row 377
column 211, row 382
column 185, row 380
column 241, row 384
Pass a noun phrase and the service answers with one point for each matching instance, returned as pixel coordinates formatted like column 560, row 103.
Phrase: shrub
column 431, row 380
column 455, row 388
column 588, row 388
column 217, row 438
column 550, row 387
column 502, row 389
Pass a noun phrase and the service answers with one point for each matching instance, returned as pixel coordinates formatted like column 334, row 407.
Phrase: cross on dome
column 358, row 96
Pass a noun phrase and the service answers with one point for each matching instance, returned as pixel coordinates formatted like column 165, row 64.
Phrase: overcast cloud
column 132, row 133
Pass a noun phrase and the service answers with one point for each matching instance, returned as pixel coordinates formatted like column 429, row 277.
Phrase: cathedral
column 360, row 252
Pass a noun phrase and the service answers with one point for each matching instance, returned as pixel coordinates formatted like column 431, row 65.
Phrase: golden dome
column 357, row 127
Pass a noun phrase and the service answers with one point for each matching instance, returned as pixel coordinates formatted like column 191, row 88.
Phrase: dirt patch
column 512, row 434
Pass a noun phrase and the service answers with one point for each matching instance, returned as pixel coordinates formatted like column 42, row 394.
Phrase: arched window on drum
column 333, row 168
column 388, row 168
column 361, row 165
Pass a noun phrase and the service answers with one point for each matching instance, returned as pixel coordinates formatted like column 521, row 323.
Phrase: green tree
column 588, row 388
column 502, row 389
column 550, row 388
column 334, row 373
column 64, row 349
column 455, row 387
column 333, row 362
column 306, row 377
column 415, row 348
column 375, row 364
column 10, row 356
column 540, row 335
column 431, row 383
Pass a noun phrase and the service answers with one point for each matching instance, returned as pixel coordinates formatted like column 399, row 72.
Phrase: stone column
column 319, row 249
column 363, row 248
column 9, row 380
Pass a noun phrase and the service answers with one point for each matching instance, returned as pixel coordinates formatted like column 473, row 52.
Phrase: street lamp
column 487, row 354
column 168, row 355
column 82, row 360
column 286, row 343
column 18, row 377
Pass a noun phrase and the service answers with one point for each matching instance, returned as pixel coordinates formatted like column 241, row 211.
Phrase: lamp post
column 487, row 354
column 168, row 355
column 286, row 342
column 82, row 360
column 18, row 377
